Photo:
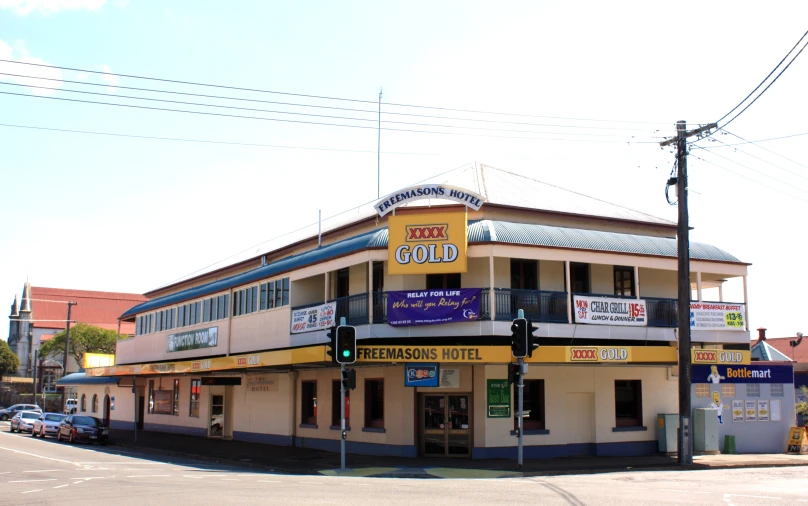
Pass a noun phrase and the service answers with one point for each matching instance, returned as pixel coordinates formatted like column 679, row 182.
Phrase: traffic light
column 349, row 379
column 513, row 373
column 346, row 344
column 332, row 338
column 519, row 344
column 532, row 341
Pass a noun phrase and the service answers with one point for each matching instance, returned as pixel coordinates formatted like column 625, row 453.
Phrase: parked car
column 83, row 428
column 9, row 412
column 24, row 421
column 47, row 424
column 70, row 406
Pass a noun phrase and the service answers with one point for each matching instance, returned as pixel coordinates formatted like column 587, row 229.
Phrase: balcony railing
column 662, row 312
column 354, row 308
column 539, row 305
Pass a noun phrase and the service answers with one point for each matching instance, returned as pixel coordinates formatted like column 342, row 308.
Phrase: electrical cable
column 322, row 97
column 760, row 172
column 769, row 150
column 749, row 178
column 766, row 161
column 725, row 145
column 221, row 97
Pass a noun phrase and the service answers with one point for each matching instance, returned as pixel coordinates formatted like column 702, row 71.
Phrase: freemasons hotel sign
column 427, row 243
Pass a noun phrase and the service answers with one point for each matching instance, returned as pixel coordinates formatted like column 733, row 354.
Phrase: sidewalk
column 289, row 460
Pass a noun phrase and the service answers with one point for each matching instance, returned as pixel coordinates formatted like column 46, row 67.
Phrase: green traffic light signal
column 346, row 353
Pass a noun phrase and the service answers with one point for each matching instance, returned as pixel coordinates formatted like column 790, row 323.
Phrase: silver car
column 23, row 421
column 47, row 424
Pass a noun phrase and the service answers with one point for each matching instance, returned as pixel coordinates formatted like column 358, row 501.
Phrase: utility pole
column 70, row 305
column 685, row 442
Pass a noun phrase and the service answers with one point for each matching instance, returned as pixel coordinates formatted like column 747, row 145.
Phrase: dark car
column 9, row 412
column 83, row 428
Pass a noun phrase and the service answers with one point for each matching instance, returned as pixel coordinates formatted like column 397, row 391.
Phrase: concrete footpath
column 290, row 460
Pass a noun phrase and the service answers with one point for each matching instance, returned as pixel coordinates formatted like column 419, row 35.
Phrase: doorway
column 445, row 425
column 217, row 416
column 106, row 410
column 141, row 405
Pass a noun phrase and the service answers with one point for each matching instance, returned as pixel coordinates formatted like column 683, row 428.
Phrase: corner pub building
column 432, row 277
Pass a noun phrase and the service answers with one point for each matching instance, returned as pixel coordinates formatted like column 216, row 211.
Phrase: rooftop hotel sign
column 427, row 243
column 428, row 191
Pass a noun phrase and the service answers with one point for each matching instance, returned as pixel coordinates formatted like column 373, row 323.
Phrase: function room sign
column 428, row 243
column 608, row 311
column 193, row 340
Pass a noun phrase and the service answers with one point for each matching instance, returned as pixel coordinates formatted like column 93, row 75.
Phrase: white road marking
column 62, row 486
column 29, row 491
column 39, row 456
column 230, row 479
column 268, row 481
column 148, row 476
column 683, row 491
column 32, row 481
column 44, row 471
column 754, row 496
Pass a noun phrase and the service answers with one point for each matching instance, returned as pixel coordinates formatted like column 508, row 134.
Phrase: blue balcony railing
column 662, row 312
column 354, row 308
column 539, row 305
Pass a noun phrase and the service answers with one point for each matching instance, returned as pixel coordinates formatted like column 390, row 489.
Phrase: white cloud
column 30, row 71
column 24, row 7
column 109, row 78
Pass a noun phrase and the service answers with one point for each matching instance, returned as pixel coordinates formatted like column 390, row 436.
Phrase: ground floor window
column 308, row 407
column 95, row 403
column 374, row 403
column 628, row 403
column 336, row 418
column 196, row 389
column 83, row 402
column 532, row 406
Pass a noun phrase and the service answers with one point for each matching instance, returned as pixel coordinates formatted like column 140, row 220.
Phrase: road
column 33, row 471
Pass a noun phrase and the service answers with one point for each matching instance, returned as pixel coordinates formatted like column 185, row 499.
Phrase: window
column 628, row 403
column 442, row 281
column 777, row 390
column 273, row 294
column 727, row 390
column 336, row 415
column 378, row 276
column 206, row 311
column 175, row 405
column 308, row 406
column 374, row 403
column 95, row 403
column 579, row 277
column 245, row 301
column 702, row 390
column 196, row 389
column 532, row 406
column 624, row 281
column 83, row 402
column 752, row 390
column 524, row 274
column 151, row 396
column 342, row 283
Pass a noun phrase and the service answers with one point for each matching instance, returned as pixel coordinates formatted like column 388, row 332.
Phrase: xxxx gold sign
column 604, row 355
column 600, row 354
column 427, row 243
column 743, row 357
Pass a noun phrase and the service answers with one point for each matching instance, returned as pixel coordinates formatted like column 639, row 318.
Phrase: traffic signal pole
column 521, row 388
column 342, row 416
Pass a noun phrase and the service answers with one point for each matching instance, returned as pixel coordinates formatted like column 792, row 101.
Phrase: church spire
column 14, row 312
column 25, row 306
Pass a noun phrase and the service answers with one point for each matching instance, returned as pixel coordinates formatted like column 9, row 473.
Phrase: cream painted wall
column 568, row 388
column 658, row 283
column 123, row 404
column 309, row 290
column 184, row 419
column 399, row 405
column 502, row 272
column 261, row 330
column 262, row 412
column 601, row 279
column 551, row 276
column 154, row 347
column 358, row 279
column 476, row 275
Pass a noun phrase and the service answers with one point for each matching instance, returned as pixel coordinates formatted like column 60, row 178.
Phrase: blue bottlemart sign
column 743, row 373
column 421, row 375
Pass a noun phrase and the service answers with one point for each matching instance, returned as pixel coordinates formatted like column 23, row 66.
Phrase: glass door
column 216, row 415
column 445, row 425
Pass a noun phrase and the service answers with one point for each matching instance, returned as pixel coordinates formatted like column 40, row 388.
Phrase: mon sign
column 428, row 243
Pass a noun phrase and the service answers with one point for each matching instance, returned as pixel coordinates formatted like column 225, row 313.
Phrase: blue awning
column 80, row 378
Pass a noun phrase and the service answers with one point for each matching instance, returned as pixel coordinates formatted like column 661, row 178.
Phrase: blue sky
column 119, row 214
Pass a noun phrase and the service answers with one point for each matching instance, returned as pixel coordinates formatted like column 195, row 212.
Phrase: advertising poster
column 763, row 411
column 433, row 307
column 751, row 410
column 314, row 318
column 427, row 243
column 449, row 378
column 775, row 411
column 737, row 410
column 499, row 398
column 607, row 311
column 752, row 373
column 716, row 316
column 421, row 375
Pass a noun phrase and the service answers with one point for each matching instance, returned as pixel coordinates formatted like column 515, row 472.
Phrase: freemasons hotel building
column 432, row 278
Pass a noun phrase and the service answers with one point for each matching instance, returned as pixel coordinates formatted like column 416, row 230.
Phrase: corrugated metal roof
column 80, row 378
column 764, row 351
column 482, row 231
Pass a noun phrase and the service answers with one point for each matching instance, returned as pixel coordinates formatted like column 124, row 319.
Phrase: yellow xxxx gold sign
column 427, row 243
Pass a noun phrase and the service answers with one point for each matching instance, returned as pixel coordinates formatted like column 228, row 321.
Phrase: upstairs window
column 624, row 281
column 579, row 277
column 443, row 281
column 524, row 274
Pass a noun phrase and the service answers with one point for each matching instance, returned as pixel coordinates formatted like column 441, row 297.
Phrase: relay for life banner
column 431, row 307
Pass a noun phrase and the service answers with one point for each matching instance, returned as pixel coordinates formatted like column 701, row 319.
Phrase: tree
column 9, row 363
column 802, row 407
column 84, row 338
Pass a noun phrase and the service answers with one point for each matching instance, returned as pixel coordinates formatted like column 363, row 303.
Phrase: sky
column 583, row 91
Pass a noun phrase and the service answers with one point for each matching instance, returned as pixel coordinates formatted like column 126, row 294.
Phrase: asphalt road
column 33, row 471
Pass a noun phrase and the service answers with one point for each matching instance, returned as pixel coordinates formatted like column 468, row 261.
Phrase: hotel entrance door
column 445, row 425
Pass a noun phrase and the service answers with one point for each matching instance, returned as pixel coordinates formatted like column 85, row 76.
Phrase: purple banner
column 432, row 307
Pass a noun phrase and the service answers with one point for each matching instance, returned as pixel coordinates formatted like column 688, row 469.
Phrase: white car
column 47, row 425
column 24, row 421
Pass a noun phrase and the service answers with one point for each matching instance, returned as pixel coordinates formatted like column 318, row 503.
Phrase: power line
column 766, row 161
column 115, row 95
column 222, row 97
column 763, row 81
column 760, row 172
column 285, row 120
column 769, row 150
column 322, row 97
column 725, row 145
column 749, row 178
